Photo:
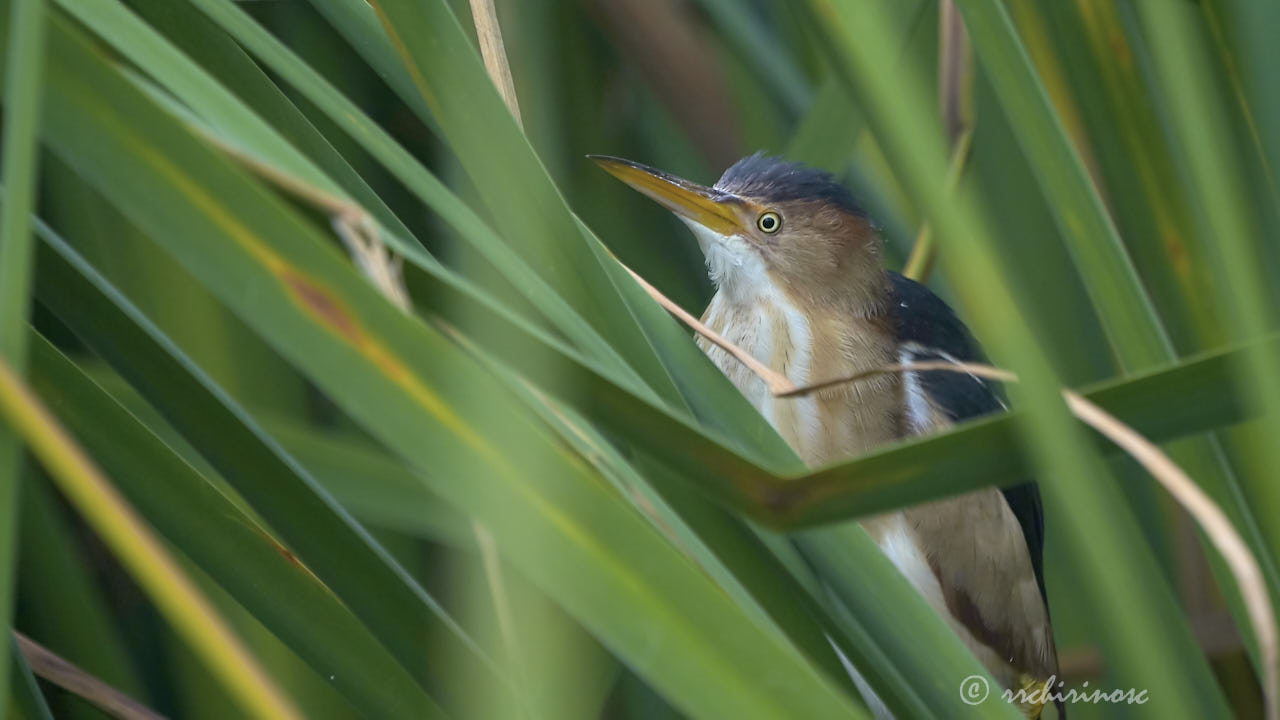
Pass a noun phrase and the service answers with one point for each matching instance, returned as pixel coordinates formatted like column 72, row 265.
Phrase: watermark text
column 975, row 689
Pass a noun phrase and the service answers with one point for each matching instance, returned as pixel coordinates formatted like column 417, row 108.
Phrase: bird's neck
column 810, row 343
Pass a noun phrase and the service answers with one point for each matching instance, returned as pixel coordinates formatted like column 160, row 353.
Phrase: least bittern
column 801, row 286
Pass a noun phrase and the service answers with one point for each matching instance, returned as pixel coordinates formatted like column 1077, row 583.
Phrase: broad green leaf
column 24, row 70
column 375, row 487
column 1179, row 401
column 1247, row 24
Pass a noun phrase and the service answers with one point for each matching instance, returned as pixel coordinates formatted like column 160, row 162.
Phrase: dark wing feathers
column 923, row 321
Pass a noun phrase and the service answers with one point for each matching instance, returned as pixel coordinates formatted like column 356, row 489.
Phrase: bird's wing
column 928, row 329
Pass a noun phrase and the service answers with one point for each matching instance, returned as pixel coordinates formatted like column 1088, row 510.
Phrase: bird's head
column 771, row 224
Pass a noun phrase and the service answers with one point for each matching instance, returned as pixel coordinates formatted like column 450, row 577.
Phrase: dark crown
column 773, row 179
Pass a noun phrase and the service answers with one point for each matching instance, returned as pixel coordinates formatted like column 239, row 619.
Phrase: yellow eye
column 769, row 222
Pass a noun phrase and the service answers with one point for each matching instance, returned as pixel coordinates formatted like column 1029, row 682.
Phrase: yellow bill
column 717, row 211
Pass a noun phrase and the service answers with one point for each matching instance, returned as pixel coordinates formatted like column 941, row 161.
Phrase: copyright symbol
column 974, row 689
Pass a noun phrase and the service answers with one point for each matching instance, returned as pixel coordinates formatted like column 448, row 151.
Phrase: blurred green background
column 532, row 497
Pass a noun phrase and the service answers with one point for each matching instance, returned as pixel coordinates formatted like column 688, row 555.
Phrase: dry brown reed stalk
column 492, row 48
column 55, row 669
column 352, row 223
column 955, row 98
column 494, row 52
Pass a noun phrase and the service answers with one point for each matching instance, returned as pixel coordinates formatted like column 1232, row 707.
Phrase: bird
column 801, row 285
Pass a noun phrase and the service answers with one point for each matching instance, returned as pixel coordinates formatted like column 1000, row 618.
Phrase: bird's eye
column 769, row 222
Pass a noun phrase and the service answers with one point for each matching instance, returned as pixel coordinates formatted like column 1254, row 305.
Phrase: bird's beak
column 706, row 206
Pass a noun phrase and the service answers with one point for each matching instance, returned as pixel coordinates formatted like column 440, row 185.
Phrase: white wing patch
column 910, row 354
column 919, row 411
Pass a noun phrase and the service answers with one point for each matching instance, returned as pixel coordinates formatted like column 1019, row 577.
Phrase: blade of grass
column 23, row 74
column 110, row 19
column 832, row 126
column 214, row 338
column 1122, row 303
column 489, row 33
column 140, row 551
column 494, row 53
column 1247, row 574
column 955, row 100
column 1251, row 23
column 931, row 677
column 738, row 558
column 1182, row 400
column 376, row 487
column 1241, row 107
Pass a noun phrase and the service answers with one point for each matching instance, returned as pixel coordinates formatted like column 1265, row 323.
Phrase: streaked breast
column 808, row 347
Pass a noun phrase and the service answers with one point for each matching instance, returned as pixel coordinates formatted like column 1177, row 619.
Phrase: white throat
column 750, row 311
column 734, row 266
